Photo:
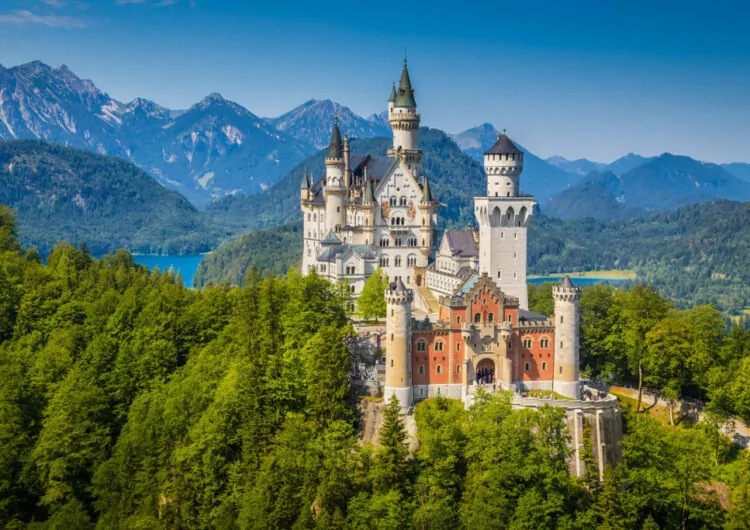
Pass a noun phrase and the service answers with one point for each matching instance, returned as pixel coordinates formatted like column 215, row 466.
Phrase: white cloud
column 23, row 17
column 59, row 4
column 159, row 3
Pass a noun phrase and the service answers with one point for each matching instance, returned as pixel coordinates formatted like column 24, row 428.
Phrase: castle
column 457, row 316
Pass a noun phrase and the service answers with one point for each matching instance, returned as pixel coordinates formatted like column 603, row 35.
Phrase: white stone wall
column 503, row 242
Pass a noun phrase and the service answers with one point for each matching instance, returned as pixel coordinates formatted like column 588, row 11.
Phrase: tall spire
column 392, row 99
column 405, row 96
column 426, row 190
column 335, row 149
column 305, row 182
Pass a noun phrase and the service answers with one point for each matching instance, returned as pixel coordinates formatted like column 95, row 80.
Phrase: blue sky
column 581, row 79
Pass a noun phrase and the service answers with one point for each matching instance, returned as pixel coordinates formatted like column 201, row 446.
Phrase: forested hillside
column 61, row 193
column 129, row 401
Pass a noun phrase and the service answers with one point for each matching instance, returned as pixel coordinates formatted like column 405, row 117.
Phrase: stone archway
column 485, row 372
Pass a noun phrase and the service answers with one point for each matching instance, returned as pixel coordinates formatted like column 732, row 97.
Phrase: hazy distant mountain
column 312, row 122
column 739, row 170
column 580, row 166
column 215, row 148
column 539, row 177
column 624, row 164
column 663, row 183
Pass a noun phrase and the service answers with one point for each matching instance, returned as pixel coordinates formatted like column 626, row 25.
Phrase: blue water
column 577, row 281
column 187, row 265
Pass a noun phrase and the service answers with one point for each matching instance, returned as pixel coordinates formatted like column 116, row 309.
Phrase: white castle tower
column 335, row 188
column 503, row 217
column 398, row 369
column 404, row 120
column 566, row 339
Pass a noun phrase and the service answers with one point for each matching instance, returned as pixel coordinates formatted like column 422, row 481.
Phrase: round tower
column 503, row 164
column 398, row 376
column 404, row 120
column 566, row 360
column 335, row 189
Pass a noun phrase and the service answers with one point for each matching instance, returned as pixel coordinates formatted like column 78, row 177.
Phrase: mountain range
column 662, row 183
column 67, row 194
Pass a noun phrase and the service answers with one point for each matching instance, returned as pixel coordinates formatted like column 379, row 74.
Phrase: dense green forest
column 128, row 401
column 696, row 255
column 61, row 193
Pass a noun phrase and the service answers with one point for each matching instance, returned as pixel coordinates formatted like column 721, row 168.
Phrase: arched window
column 527, row 367
column 397, row 261
column 490, row 317
column 421, row 370
column 393, row 201
column 477, row 318
column 544, row 367
column 561, row 319
column 439, row 369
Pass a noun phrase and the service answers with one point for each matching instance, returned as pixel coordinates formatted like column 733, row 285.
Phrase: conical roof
column 398, row 286
column 426, row 190
column 392, row 99
column 335, row 149
column 567, row 283
column 405, row 95
column 331, row 239
column 305, row 185
column 503, row 146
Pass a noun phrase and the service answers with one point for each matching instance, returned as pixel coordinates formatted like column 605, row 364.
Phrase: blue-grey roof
column 462, row 243
column 503, row 146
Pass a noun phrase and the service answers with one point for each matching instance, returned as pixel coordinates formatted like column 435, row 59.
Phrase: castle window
column 338, row 209
column 353, row 288
column 490, row 318
column 439, row 369
column 392, row 336
column 502, row 235
column 421, row 370
column 515, row 275
column 561, row 369
column 561, row 344
column 391, row 363
column 510, row 318
column 393, row 201
column 408, row 280
column 397, row 261
column 439, row 345
column 500, row 274
column 477, row 318
column 458, row 346
column 544, row 367
column 309, row 216
column 527, row 366
column 421, row 346
column 458, row 319
column 561, row 319
column 544, row 343
column 527, row 343
column 403, row 201
column 393, row 312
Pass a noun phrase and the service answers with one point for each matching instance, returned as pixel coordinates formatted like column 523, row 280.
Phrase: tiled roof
column 503, row 146
column 462, row 243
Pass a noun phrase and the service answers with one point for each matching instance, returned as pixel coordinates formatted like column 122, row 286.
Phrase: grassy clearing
column 660, row 414
column 613, row 274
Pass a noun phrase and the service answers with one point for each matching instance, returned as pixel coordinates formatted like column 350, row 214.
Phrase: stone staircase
column 429, row 299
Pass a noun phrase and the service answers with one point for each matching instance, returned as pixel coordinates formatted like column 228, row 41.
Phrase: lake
column 186, row 265
column 577, row 281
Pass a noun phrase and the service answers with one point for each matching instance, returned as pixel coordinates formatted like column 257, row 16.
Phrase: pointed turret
column 330, row 239
column 392, row 99
column 567, row 283
column 398, row 286
column 426, row 189
column 305, row 185
column 405, row 95
column 336, row 147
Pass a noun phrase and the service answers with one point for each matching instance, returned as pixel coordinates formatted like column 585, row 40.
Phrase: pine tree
column 391, row 464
